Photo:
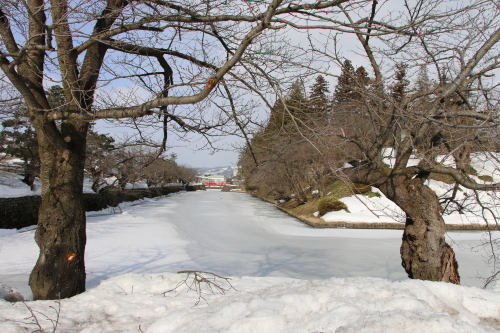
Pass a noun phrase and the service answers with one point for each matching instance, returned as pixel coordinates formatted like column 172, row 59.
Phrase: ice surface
column 288, row 277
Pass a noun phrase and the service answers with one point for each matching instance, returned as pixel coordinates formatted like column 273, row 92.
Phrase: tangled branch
column 203, row 283
column 34, row 320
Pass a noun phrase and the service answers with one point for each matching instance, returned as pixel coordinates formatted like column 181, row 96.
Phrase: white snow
column 367, row 210
column 463, row 211
column 487, row 164
column 383, row 210
column 136, row 303
column 140, row 184
column 286, row 276
column 87, row 186
column 11, row 186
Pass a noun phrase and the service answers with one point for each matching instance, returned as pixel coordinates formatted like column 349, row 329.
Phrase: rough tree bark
column 60, row 269
column 424, row 252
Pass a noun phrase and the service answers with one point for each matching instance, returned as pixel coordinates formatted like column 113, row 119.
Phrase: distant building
column 213, row 180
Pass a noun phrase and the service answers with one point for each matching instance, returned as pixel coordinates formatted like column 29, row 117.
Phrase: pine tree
column 362, row 78
column 400, row 87
column 99, row 147
column 55, row 96
column 293, row 108
column 296, row 102
column 276, row 117
column 361, row 85
column 319, row 102
column 423, row 81
column 345, row 85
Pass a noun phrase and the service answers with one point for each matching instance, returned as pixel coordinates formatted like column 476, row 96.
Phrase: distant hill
column 226, row 171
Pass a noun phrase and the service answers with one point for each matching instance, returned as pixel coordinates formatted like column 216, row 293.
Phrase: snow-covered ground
column 286, row 276
column 11, row 186
column 464, row 209
column 137, row 303
column 382, row 210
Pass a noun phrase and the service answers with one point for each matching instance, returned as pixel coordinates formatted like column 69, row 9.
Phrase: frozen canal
column 231, row 234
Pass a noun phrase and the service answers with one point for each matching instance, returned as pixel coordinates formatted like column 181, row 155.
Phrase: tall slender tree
column 319, row 97
column 346, row 82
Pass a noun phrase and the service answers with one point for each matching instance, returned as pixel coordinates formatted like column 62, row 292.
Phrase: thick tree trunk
column 60, row 269
column 424, row 252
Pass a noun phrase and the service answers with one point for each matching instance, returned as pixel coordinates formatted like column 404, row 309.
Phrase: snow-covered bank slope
column 135, row 303
column 12, row 186
column 463, row 209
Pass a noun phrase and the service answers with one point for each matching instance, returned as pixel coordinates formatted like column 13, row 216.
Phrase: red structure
column 214, row 184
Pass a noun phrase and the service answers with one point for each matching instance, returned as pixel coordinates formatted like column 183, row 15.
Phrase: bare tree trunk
column 424, row 252
column 60, row 269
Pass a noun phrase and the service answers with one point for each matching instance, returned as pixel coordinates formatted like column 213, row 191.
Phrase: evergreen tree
column 423, row 81
column 276, row 117
column 351, row 93
column 296, row 102
column 319, row 102
column 18, row 137
column 100, row 147
column 345, row 85
column 400, row 87
column 361, row 85
column 293, row 108
column 55, row 97
column 362, row 78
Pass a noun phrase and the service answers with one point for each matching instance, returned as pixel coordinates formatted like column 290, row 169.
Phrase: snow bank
column 11, row 186
column 462, row 211
column 147, row 238
column 367, row 210
column 7, row 232
column 139, row 184
column 87, row 186
column 136, row 302
column 487, row 164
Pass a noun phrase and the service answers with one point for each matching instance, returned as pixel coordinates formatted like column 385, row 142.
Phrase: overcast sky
column 192, row 151
column 203, row 158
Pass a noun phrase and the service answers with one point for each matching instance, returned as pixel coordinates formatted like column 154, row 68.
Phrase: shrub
column 330, row 204
column 486, row 178
column 468, row 169
column 442, row 178
column 338, row 189
column 371, row 194
column 360, row 188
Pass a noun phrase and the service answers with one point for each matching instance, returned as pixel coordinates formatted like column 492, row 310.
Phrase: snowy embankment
column 462, row 210
column 148, row 303
column 11, row 186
